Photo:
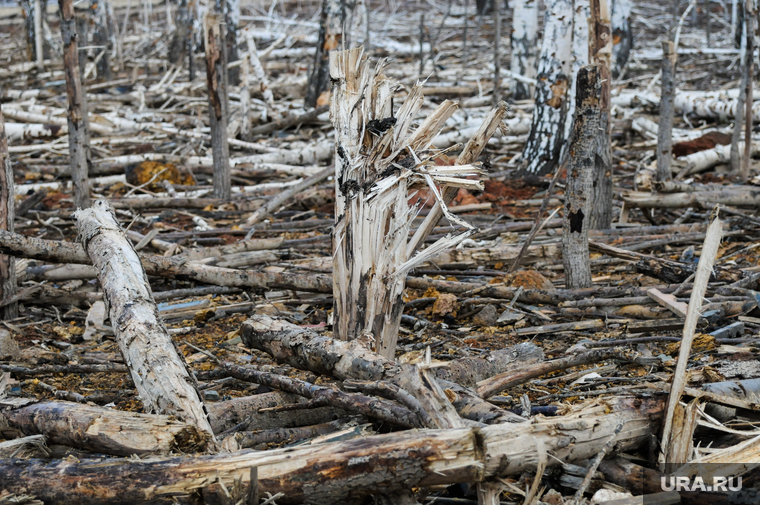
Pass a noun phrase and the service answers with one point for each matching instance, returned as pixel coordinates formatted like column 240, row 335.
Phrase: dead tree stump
column 216, row 81
column 77, row 111
column 579, row 191
column 157, row 369
column 7, row 192
column 665, row 130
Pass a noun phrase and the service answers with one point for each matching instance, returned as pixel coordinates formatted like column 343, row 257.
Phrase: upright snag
column 579, row 190
column 77, row 110
column 524, row 44
column 37, row 48
column 232, row 21
column 496, row 55
column 7, row 192
column 542, row 150
column 622, row 35
column 216, row 81
column 331, row 23
column 102, row 38
column 180, row 41
column 600, row 53
column 748, row 76
column 667, row 95
column 379, row 159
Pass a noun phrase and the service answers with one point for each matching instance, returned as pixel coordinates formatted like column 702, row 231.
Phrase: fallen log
column 706, row 199
column 159, row 372
column 346, row 471
column 99, row 429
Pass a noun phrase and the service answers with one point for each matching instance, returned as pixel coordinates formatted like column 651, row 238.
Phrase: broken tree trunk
column 378, row 160
column 157, row 369
column 346, row 471
column 600, row 53
column 78, row 137
column 332, row 19
column 218, row 105
column 524, row 45
column 665, row 130
column 579, row 191
column 100, row 429
column 542, row 149
column 7, row 214
column 622, row 35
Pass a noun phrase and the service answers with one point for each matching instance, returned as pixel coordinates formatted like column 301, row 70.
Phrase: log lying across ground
column 346, row 471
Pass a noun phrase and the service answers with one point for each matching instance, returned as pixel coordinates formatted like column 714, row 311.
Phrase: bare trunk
column 497, row 55
column 541, row 152
column 157, row 369
column 216, row 81
column 232, row 21
column 37, row 48
column 330, row 37
column 747, row 79
column 7, row 201
column 580, row 173
column 180, row 42
column 622, row 34
column 738, row 115
column 102, row 37
column 600, row 53
column 524, row 46
column 665, row 130
column 77, row 111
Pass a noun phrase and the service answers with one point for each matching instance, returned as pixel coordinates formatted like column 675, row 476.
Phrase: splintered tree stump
column 580, row 172
column 157, row 369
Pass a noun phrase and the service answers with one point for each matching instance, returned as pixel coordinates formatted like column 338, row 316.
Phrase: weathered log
column 159, row 372
column 346, row 471
column 99, row 429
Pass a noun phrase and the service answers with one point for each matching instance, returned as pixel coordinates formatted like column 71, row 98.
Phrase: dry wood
column 665, row 130
column 701, row 280
column 158, row 371
column 218, row 106
column 101, row 430
column 347, row 470
column 7, row 215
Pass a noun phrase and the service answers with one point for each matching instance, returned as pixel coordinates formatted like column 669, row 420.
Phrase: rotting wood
column 347, row 470
column 158, row 371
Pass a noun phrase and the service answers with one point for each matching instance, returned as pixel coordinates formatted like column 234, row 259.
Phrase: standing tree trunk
column 542, row 150
column 37, row 48
column 180, row 42
column 580, row 173
column 330, row 37
column 77, row 111
column 622, row 34
column 738, row 114
column 232, row 20
column 102, row 37
column 496, row 55
column 7, row 193
column 600, row 53
column 579, row 58
column 747, row 78
column 524, row 45
column 665, row 130
column 216, row 81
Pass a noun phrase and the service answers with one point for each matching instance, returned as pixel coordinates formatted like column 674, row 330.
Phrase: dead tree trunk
column 579, row 58
column 738, row 115
column 216, row 81
column 373, row 216
column 542, row 150
column 748, row 76
column 345, row 472
column 580, row 173
column 37, row 48
column 524, row 46
column 181, row 38
column 496, row 55
column 232, row 21
column 78, row 137
column 102, row 37
column 331, row 23
column 7, row 193
column 665, row 130
column 622, row 35
column 157, row 369
column 600, row 53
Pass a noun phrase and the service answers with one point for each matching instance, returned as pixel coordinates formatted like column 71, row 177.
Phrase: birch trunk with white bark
column 158, row 370
column 37, row 47
column 524, row 46
column 542, row 150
